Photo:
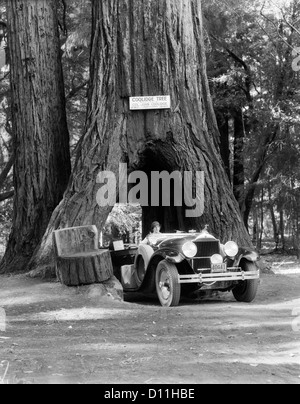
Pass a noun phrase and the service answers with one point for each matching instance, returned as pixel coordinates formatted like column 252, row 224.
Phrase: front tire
column 246, row 291
column 168, row 287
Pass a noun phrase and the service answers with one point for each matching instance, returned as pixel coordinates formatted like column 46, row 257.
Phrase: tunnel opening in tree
column 165, row 194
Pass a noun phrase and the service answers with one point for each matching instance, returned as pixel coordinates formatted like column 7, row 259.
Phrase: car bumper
column 220, row 277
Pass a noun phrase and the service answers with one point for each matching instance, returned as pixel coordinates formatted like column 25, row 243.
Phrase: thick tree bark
column 223, row 124
column 85, row 268
column 238, row 164
column 41, row 139
column 144, row 48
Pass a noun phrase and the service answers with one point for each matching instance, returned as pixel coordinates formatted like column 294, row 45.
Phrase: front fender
column 173, row 256
column 247, row 254
column 177, row 259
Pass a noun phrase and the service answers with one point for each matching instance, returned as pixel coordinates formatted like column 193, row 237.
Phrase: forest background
column 252, row 49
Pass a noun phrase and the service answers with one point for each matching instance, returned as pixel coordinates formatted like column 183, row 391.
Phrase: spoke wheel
column 167, row 284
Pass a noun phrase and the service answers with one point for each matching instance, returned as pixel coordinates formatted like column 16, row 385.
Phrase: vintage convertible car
column 186, row 263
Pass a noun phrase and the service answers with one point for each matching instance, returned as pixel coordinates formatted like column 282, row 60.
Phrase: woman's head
column 155, row 227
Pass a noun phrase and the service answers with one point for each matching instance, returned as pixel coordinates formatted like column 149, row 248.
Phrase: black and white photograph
column 149, row 194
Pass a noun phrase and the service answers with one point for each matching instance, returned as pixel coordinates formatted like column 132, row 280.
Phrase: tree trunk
column 6, row 171
column 261, row 219
column 272, row 213
column 223, row 124
column 145, row 48
column 260, row 165
column 282, row 229
column 41, row 139
column 85, row 268
column 255, row 227
column 238, row 166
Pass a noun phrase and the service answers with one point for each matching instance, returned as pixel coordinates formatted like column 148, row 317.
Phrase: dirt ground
column 60, row 335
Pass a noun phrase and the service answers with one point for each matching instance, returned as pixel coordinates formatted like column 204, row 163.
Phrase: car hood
column 177, row 240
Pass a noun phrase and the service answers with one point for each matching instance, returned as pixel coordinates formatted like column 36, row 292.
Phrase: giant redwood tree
column 40, row 134
column 144, row 48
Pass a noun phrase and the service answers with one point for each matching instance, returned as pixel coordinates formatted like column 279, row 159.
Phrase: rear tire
column 246, row 291
column 168, row 287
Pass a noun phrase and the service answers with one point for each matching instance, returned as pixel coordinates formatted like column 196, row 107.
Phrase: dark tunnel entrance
column 166, row 192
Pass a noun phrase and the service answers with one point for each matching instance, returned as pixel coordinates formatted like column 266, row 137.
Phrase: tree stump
column 85, row 268
column 79, row 260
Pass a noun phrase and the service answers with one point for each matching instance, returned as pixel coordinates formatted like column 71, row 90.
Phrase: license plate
column 219, row 268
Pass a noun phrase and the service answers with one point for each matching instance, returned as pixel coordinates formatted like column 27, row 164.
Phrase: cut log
column 84, row 268
column 76, row 240
column 79, row 261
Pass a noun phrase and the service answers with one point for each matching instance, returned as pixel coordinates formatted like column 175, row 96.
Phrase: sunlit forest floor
column 56, row 334
column 283, row 264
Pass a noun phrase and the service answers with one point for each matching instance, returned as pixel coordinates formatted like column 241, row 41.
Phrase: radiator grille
column 208, row 248
column 205, row 250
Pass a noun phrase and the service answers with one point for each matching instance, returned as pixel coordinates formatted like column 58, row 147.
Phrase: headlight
column 231, row 249
column 190, row 249
column 216, row 259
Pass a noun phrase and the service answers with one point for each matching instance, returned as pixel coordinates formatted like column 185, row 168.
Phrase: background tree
column 148, row 48
column 75, row 28
column 256, row 96
column 6, row 154
column 40, row 133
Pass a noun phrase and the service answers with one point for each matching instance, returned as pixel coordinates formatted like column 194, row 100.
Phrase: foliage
column 75, row 24
column 250, row 53
column 5, row 132
column 125, row 218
